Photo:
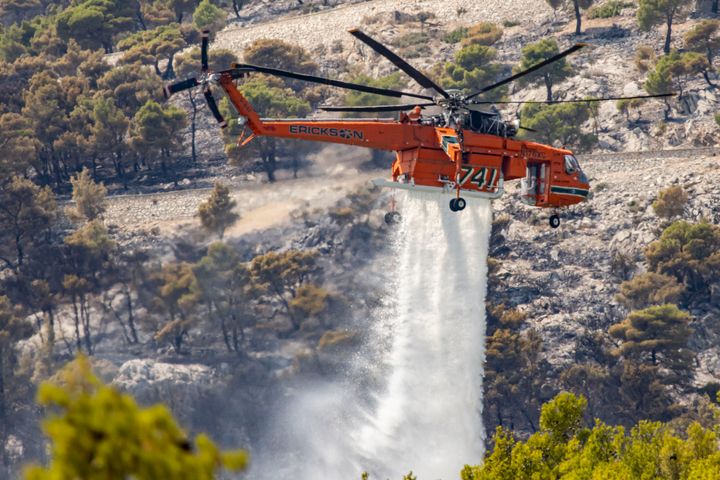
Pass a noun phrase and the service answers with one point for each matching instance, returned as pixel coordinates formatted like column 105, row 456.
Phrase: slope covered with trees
column 77, row 124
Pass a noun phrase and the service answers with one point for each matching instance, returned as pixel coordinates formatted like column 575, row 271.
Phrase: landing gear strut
column 554, row 220
column 458, row 204
column 392, row 218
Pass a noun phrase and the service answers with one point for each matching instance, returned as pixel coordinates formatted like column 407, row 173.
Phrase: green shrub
column 411, row 39
column 622, row 265
column 337, row 338
column 456, row 35
column 562, row 449
column 649, row 289
column 670, row 202
column 645, row 58
column 484, row 33
column 612, row 8
column 690, row 252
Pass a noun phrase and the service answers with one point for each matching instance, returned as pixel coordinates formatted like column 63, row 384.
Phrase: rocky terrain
column 563, row 280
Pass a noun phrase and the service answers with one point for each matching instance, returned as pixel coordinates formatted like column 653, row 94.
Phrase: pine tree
column 26, row 213
column 228, row 293
column 577, row 6
column 216, row 213
column 689, row 252
column 209, row 17
column 175, row 296
column 550, row 75
column 659, row 333
column 12, row 329
column 652, row 13
column 89, row 197
column 282, row 274
column 649, row 289
column 97, row 432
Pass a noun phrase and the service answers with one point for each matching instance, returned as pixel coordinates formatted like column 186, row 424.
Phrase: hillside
column 239, row 329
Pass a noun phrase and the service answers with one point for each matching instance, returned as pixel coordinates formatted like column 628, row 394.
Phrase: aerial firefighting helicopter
column 463, row 151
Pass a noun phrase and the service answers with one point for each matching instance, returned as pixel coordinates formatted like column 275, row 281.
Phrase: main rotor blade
column 168, row 90
column 214, row 108
column 605, row 99
column 204, row 50
column 420, row 78
column 532, row 69
column 377, row 108
column 239, row 69
column 472, row 107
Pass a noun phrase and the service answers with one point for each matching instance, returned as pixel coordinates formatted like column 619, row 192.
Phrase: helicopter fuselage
column 439, row 158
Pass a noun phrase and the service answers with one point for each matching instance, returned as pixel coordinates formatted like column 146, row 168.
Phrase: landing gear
column 554, row 220
column 392, row 218
column 458, row 204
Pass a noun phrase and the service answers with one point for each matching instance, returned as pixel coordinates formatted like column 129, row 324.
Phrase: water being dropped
column 426, row 350
column 428, row 418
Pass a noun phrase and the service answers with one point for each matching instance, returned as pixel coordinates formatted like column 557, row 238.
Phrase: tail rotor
column 206, row 78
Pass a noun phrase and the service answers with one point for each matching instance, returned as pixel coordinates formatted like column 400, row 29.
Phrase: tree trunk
column 225, row 334
column 3, row 413
column 707, row 79
column 529, row 420
column 76, row 314
column 269, row 161
column 715, row 6
column 578, row 18
column 131, row 315
column 50, row 328
column 140, row 17
column 548, row 87
column 169, row 70
column 85, row 314
column 177, row 343
column 193, row 125
column 668, row 35
column 237, row 5
column 19, row 248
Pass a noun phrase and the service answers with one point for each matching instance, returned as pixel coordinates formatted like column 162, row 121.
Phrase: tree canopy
column 97, row 432
column 216, row 213
column 563, row 448
column 652, row 13
column 550, row 75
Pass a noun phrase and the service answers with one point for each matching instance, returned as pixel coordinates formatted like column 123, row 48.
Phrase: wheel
column 460, row 204
column 392, row 218
column 554, row 221
column 453, row 207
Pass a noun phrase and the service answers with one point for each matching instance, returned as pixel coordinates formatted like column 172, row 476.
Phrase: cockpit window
column 571, row 164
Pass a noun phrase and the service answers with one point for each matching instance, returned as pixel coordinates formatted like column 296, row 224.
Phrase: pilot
column 415, row 114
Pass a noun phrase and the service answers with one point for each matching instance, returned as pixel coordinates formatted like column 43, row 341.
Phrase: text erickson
column 326, row 131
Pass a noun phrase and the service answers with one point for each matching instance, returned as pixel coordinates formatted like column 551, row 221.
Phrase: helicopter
column 467, row 150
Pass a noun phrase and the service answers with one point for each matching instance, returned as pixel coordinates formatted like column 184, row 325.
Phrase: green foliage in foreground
column 99, row 433
column 564, row 450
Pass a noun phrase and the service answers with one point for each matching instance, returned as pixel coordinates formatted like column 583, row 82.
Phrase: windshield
column 571, row 165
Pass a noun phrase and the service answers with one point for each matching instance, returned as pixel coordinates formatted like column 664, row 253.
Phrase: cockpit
column 572, row 167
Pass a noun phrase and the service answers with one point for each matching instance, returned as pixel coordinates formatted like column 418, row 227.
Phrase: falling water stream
column 425, row 414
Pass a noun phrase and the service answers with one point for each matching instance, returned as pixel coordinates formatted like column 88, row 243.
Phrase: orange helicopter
column 463, row 151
